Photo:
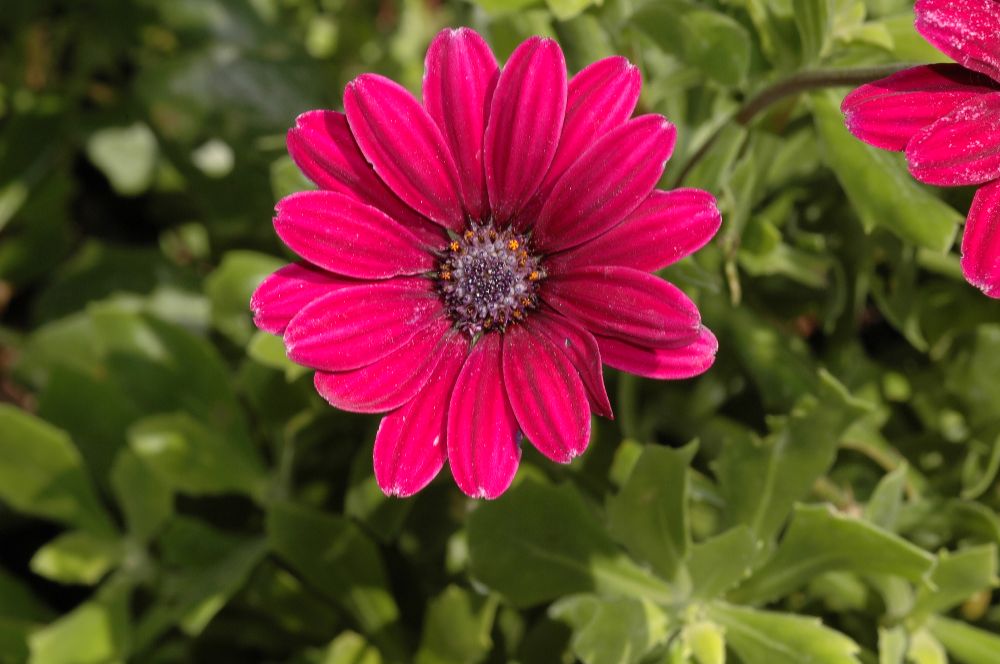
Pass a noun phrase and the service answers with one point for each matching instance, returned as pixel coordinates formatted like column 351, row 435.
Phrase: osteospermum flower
column 469, row 262
column 947, row 119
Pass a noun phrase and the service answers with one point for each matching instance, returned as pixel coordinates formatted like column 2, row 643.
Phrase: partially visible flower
column 947, row 119
column 469, row 262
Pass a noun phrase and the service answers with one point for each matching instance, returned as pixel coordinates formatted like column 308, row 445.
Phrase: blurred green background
column 173, row 490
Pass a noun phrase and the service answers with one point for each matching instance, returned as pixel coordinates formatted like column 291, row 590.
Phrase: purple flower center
column 488, row 279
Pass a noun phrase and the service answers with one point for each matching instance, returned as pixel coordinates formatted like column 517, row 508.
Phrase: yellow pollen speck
column 493, row 235
column 446, row 276
column 513, row 245
column 454, row 246
column 525, row 302
column 469, row 235
column 517, row 314
column 534, row 276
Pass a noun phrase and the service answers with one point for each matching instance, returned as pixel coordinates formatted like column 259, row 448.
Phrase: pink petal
column 354, row 327
column 338, row 233
column 665, row 228
column 580, row 348
column 961, row 148
column 967, row 31
column 483, row 449
column 460, row 74
column 888, row 112
column 624, row 303
column 668, row 363
column 606, row 183
column 287, row 291
column 392, row 381
column 405, row 147
column 981, row 241
column 410, row 445
column 526, row 119
column 322, row 146
column 546, row 395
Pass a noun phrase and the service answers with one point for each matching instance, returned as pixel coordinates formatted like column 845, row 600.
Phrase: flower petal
column 410, row 445
column 626, row 304
column 961, row 148
column 405, row 147
column 606, row 183
column 354, row 327
column 390, row 382
column 981, row 241
column 322, row 146
column 460, row 74
column 580, row 348
column 287, row 291
column 340, row 234
column 526, row 119
column 665, row 228
column 967, row 31
column 546, row 395
column 663, row 363
column 483, row 449
column 890, row 111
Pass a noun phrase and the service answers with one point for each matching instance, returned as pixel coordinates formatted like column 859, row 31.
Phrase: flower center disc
column 488, row 280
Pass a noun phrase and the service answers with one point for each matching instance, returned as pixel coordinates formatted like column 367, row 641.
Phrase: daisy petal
column 967, row 31
column 287, row 291
column 889, row 112
column 961, row 148
column 981, row 241
column 460, row 74
column 346, row 237
column 390, row 382
column 410, row 445
column 483, row 449
column 546, row 395
column 354, row 327
column 665, row 228
column 626, row 304
column 322, row 146
column 662, row 363
column 581, row 349
column 405, row 147
column 606, row 183
column 526, row 119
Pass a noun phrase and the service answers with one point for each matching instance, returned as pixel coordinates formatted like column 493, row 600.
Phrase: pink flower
column 946, row 118
column 469, row 262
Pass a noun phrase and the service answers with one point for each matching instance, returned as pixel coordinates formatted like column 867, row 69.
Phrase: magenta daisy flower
column 470, row 262
column 946, row 117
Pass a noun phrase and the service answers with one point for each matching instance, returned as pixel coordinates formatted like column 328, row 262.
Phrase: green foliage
column 173, row 490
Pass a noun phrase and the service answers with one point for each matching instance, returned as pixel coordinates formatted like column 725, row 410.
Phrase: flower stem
column 795, row 84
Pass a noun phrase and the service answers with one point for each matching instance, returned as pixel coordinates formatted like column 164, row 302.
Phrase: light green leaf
column 878, row 185
column 649, row 514
column 956, row 577
column 892, row 645
column 967, row 644
column 567, row 9
column 707, row 642
column 540, row 542
column 814, row 19
column 611, row 631
column 457, row 628
column 925, row 649
column 821, row 540
column 146, row 500
column 765, row 637
column 886, row 502
column 269, row 350
column 41, row 473
column 126, row 155
column 95, row 632
column 229, row 288
column 77, row 557
column 718, row 564
column 350, row 648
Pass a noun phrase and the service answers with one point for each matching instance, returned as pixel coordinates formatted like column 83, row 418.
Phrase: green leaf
column 821, row 540
column 77, row 557
column 269, row 350
column 762, row 480
column 41, row 473
column 764, row 637
column 718, row 564
column 878, row 185
column 567, row 9
column 229, row 288
column 350, row 648
column 192, row 458
column 926, row 649
column 126, row 155
column 814, row 19
column 702, row 38
column 886, row 502
column 956, row 577
column 707, row 642
column 95, row 632
column 146, row 500
column 649, row 514
column 966, row 643
column 892, row 644
column 540, row 542
column 611, row 631
column 457, row 628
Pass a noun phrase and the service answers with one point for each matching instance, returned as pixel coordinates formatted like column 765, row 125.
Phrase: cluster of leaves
column 172, row 489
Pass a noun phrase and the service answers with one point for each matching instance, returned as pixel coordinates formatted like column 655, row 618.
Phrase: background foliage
column 172, row 490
